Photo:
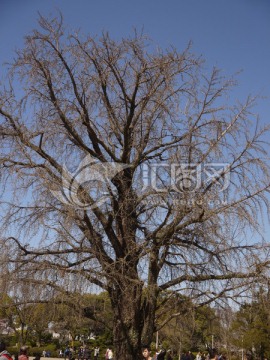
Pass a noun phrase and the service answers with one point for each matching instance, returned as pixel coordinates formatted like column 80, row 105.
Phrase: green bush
column 52, row 348
column 33, row 351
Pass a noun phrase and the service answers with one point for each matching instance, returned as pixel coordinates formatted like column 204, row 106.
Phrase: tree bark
column 127, row 324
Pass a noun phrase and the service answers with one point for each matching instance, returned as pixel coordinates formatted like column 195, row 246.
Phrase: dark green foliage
column 251, row 327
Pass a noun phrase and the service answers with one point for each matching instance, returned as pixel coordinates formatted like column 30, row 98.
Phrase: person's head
column 213, row 354
column 37, row 356
column 2, row 345
column 146, row 351
column 23, row 350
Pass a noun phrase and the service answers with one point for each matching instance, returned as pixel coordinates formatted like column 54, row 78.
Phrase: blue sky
column 231, row 34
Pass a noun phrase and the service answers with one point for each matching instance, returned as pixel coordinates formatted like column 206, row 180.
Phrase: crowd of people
column 211, row 354
column 83, row 353
column 86, row 353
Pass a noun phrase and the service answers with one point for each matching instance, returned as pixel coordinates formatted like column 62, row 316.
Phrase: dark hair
column 23, row 350
column 2, row 345
column 146, row 347
column 161, row 355
column 37, row 356
column 212, row 353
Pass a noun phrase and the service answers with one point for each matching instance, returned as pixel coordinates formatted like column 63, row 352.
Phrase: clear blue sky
column 231, row 34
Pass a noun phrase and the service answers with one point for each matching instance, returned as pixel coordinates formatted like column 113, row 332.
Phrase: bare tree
column 129, row 169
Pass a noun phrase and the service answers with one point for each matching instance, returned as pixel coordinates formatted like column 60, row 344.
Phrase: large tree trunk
column 128, row 319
